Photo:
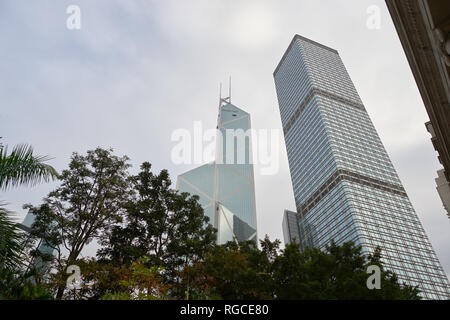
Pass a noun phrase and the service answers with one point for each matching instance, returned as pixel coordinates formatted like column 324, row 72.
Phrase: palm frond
column 22, row 167
column 10, row 242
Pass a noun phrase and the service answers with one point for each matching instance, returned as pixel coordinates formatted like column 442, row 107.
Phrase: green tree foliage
column 10, row 242
column 143, row 283
column 20, row 167
column 86, row 204
column 230, row 272
column 20, row 284
column 102, row 280
column 339, row 272
column 167, row 227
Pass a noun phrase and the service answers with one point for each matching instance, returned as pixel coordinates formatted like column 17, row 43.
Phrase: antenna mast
column 229, row 90
column 226, row 100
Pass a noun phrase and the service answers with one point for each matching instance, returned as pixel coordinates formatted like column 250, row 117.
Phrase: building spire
column 229, row 89
column 226, row 100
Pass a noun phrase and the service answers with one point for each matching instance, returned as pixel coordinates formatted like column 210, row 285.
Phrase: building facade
column 291, row 233
column 226, row 186
column 345, row 185
column 41, row 265
column 424, row 31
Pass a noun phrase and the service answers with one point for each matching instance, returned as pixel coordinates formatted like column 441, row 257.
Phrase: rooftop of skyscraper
column 299, row 37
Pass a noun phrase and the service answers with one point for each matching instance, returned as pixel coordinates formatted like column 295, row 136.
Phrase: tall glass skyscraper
column 226, row 186
column 345, row 185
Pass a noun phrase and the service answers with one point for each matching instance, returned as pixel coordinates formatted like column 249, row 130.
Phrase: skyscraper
column 42, row 246
column 345, row 185
column 291, row 232
column 226, row 186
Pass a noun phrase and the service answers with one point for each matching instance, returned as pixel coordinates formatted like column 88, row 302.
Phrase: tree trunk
column 60, row 292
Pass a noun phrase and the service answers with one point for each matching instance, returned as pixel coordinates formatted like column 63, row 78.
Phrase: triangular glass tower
column 226, row 186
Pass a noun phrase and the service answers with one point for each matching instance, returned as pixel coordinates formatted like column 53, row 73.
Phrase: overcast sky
column 138, row 70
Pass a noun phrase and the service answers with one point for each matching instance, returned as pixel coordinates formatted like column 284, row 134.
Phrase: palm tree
column 10, row 242
column 20, row 167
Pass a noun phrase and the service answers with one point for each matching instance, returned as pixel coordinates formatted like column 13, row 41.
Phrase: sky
column 136, row 71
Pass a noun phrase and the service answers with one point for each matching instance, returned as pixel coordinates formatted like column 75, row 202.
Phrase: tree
column 102, row 280
column 98, row 279
column 143, row 283
column 88, row 202
column 20, row 167
column 10, row 242
column 167, row 227
column 233, row 272
column 244, row 272
column 339, row 272
column 17, row 285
